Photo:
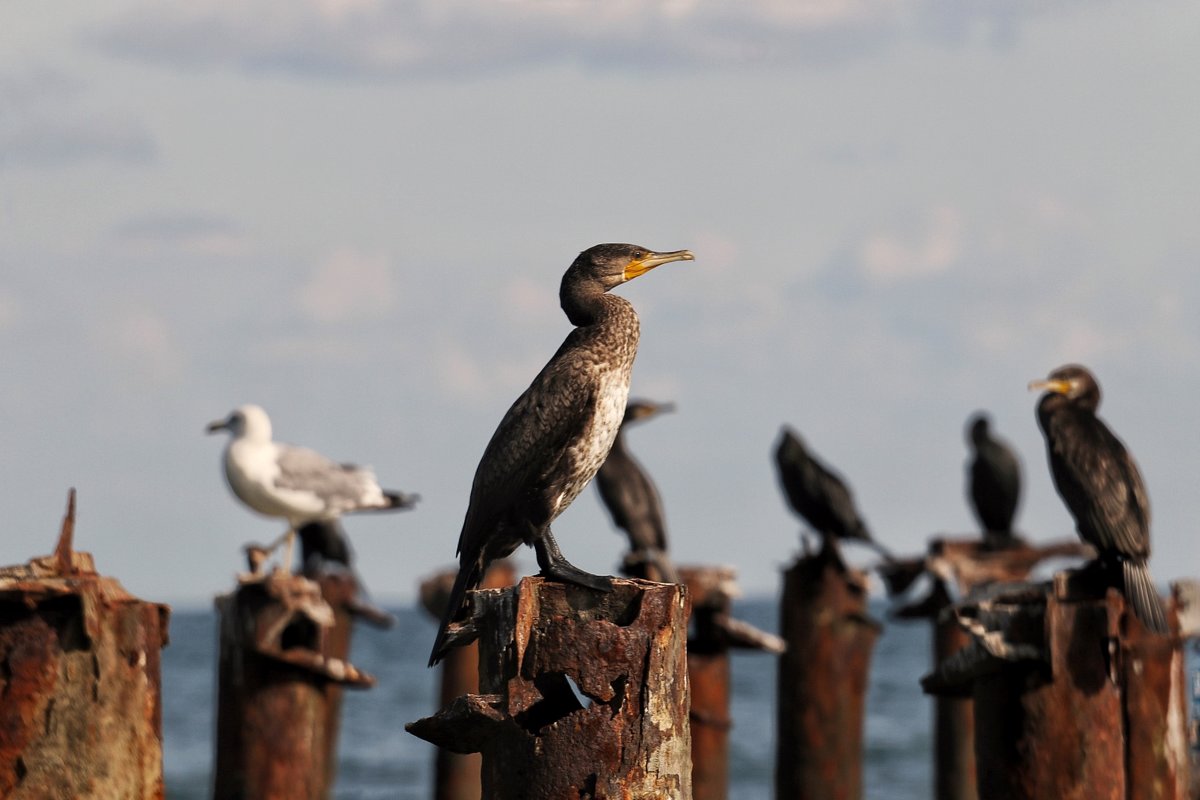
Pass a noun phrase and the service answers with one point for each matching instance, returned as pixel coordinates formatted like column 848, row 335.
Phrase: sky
column 357, row 213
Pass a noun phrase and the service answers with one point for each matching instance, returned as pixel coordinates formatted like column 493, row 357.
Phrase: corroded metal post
column 585, row 693
column 1073, row 699
column 966, row 563
column 80, row 692
column 275, row 738
column 456, row 775
column 714, row 632
column 823, row 679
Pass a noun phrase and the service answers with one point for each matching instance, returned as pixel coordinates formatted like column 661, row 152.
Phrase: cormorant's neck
column 585, row 302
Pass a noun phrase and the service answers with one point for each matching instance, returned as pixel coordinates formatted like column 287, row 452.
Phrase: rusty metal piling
column 822, row 679
column 1073, row 698
column 280, row 672
column 966, row 563
column 583, row 693
column 80, row 691
column 713, row 633
column 456, row 776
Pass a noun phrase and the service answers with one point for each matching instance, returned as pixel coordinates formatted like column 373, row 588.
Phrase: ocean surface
column 378, row 759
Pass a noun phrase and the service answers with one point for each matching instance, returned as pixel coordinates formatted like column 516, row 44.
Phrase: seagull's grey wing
column 339, row 486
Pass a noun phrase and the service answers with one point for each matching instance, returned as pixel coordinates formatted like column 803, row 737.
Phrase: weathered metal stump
column 714, row 632
column 278, row 686
column 584, row 693
column 1073, row 698
column 822, row 679
column 457, row 775
column 966, row 564
column 80, row 692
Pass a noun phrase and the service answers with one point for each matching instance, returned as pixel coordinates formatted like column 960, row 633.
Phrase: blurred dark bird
column 295, row 483
column 818, row 494
column 633, row 502
column 994, row 483
column 558, row 432
column 1100, row 483
column 324, row 543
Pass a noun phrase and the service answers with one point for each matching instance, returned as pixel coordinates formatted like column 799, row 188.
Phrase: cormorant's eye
column 638, row 255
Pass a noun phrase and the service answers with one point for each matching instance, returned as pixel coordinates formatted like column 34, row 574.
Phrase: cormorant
column 994, row 482
column 818, row 494
column 632, row 499
column 323, row 542
column 558, row 432
column 1100, row 483
column 295, row 483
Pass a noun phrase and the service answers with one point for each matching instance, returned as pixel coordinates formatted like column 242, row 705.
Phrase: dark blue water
column 380, row 760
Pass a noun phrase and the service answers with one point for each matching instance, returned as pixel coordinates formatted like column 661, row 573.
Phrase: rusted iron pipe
column 275, row 735
column 1073, row 698
column 584, row 693
column 456, row 775
column 822, row 679
column 966, row 563
column 80, row 679
column 713, row 633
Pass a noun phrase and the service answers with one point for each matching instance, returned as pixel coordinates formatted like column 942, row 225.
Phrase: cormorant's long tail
column 1141, row 594
column 866, row 538
column 469, row 575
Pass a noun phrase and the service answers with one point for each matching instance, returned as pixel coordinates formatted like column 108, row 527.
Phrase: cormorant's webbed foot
column 556, row 567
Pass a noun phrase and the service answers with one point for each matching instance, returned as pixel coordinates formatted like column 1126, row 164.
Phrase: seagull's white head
column 245, row 422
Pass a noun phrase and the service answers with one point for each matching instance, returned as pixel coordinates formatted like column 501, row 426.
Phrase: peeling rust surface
column 590, row 692
column 80, row 672
column 822, row 680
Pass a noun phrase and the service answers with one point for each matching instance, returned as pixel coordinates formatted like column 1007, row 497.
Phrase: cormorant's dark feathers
column 994, row 484
column 1100, row 483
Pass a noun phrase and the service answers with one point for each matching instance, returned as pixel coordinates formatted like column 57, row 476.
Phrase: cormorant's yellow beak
column 1061, row 387
column 640, row 266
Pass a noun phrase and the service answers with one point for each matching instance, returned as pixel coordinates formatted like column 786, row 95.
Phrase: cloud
column 348, row 285
column 47, row 119
column 379, row 40
column 199, row 234
column 888, row 257
column 144, row 347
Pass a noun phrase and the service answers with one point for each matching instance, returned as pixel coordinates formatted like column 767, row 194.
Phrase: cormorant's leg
column 554, row 565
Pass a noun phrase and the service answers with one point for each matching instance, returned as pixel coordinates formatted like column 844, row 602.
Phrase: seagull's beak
column 1057, row 386
column 217, row 425
column 640, row 266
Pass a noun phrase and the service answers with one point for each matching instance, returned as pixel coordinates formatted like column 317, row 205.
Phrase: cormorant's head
column 613, row 264
column 1073, row 382
column 977, row 428
column 791, row 447
column 249, row 422
column 636, row 410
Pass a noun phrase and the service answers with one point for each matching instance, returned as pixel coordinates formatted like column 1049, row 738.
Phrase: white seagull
column 295, row 483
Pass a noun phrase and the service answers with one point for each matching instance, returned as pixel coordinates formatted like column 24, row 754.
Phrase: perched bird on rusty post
column 558, row 432
column 1101, row 485
column 993, row 483
column 632, row 499
column 295, row 483
column 819, row 495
